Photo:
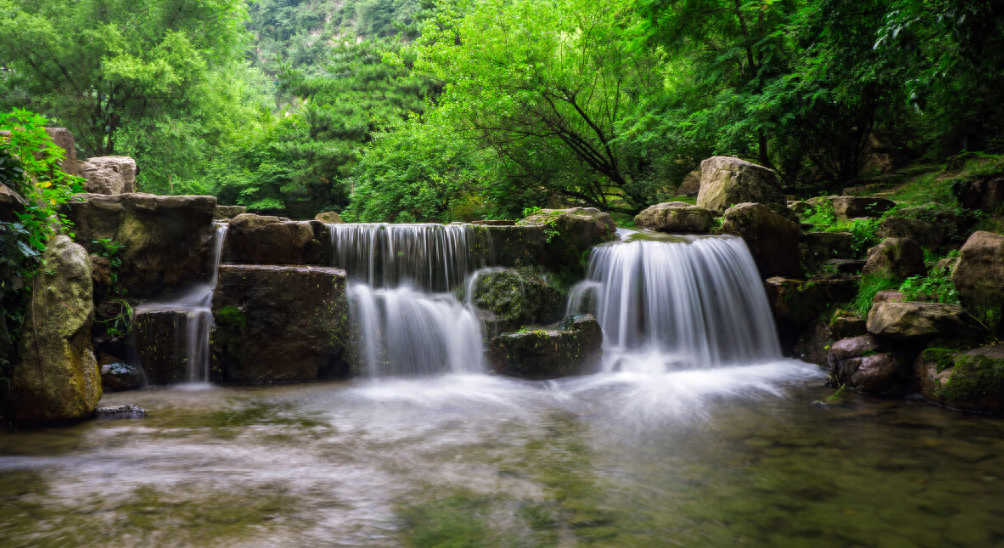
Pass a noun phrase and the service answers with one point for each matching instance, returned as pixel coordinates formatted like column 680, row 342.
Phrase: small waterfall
column 406, row 321
column 196, row 316
column 666, row 305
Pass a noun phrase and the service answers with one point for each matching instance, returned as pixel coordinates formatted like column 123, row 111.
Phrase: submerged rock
column 852, row 207
column 260, row 239
column 727, row 181
column 772, row 239
column 117, row 375
column 972, row 380
column 913, row 320
column 109, row 175
column 574, row 348
column 166, row 240
column 120, row 412
column 675, row 217
column 895, row 258
column 275, row 324
column 57, row 375
column 511, row 298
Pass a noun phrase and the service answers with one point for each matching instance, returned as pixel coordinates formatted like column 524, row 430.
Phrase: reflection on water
column 726, row 457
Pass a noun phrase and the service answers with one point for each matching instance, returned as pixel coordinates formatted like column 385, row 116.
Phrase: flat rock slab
column 261, row 239
column 676, row 217
column 913, row 320
column 574, row 348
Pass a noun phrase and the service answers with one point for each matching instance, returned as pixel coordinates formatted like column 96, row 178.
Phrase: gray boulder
column 57, row 376
column 727, row 181
column 979, row 273
column 675, row 217
column 772, row 239
column 109, row 175
column 929, row 235
column 228, row 211
column 860, row 363
column 917, row 321
column 852, row 207
column 895, row 258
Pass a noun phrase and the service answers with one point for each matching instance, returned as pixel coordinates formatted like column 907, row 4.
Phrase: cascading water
column 693, row 303
column 196, row 316
column 406, row 321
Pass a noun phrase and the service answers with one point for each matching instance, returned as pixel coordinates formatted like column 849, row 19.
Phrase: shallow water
column 737, row 456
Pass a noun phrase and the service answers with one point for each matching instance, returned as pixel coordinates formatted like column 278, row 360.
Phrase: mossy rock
column 513, row 298
column 573, row 348
column 972, row 380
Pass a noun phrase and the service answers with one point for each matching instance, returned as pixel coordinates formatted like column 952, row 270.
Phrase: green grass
column 868, row 287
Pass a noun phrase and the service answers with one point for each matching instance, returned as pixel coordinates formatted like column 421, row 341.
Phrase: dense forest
column 414, row 110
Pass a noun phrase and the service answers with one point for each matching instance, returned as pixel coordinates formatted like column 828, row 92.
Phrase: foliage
column 868, row 287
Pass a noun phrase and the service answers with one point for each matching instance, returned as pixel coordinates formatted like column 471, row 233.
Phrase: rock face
column 929, row 235
column 675, row 217
column 117, row 376
column 57, row 377
column 972, row 380
column 796, row 303
column 573, row 348
column 691, row 185
column 259, row 239
column 978, row 274
column 11, row 203
column 895, row 258
column 851, row 207
column 167, row 239
column 329, row 217
column 985, row 194
column 913, row 320
column 109, row 175
column 228, row 212
column 726, row 181
column 509, row 299
column 772, row 239
column 860, row 363
column 277, row 324
column 162, row 339
column 64, row 140
column 567, row 235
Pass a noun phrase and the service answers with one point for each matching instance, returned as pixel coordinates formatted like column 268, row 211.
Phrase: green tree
column 99, row 65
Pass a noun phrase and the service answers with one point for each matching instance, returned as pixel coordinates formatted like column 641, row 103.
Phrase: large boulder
column 568, row 234
column 985, row 194
column 972, row 380
column 57, row 376
column 275, row 324
column 329, row 217
column 574, row 348
column 918, row 321
column 772, row 239
column 260, row 239
column 727, row 181
column 860, row 363
column 11, row 203
column 512, row 298
column 675, row 217
column 929, row 235
column 852, row 207
column 228, row 211
column 109, row 175
column 895, row 258
column 166, row 240
column 691, row 185
column 979, row 273
column 117, row 375
column 797, row 303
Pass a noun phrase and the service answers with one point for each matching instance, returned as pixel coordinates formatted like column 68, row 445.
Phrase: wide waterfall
column 405, row 320
column 196, row 316
column 666, row 305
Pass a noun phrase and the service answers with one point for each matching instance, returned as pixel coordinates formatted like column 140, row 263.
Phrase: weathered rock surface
column 166, row 240
column 797, row 303
column 972, row 380
column 117, row 375
column 118, row 412
column 888, row 295
column 329, row 217
column 913, row 320
column 814, row 343
column 895, row 258
column 64, row 140
column 772, row 239
column 851, row 207
column 566, row 234
column 675, row 217
column 860, row 363
column 109, row 175
column 162, row 338
column 57, row 375
column 727, row 181
column 691, row 185
column 228, row 211
column 985, row 194
column 574, row 348
column 11, row 203
column 260, row 239
column 929, row 235
column 509, row 299
column 277, row 324
column 979, row 274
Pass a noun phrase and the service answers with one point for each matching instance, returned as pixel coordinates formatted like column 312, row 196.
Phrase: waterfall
column 195, row 321
column 666, row 305
column 405, row 320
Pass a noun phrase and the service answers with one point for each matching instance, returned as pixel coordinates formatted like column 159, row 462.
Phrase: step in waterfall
column 405, row 320
column 695, row 302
